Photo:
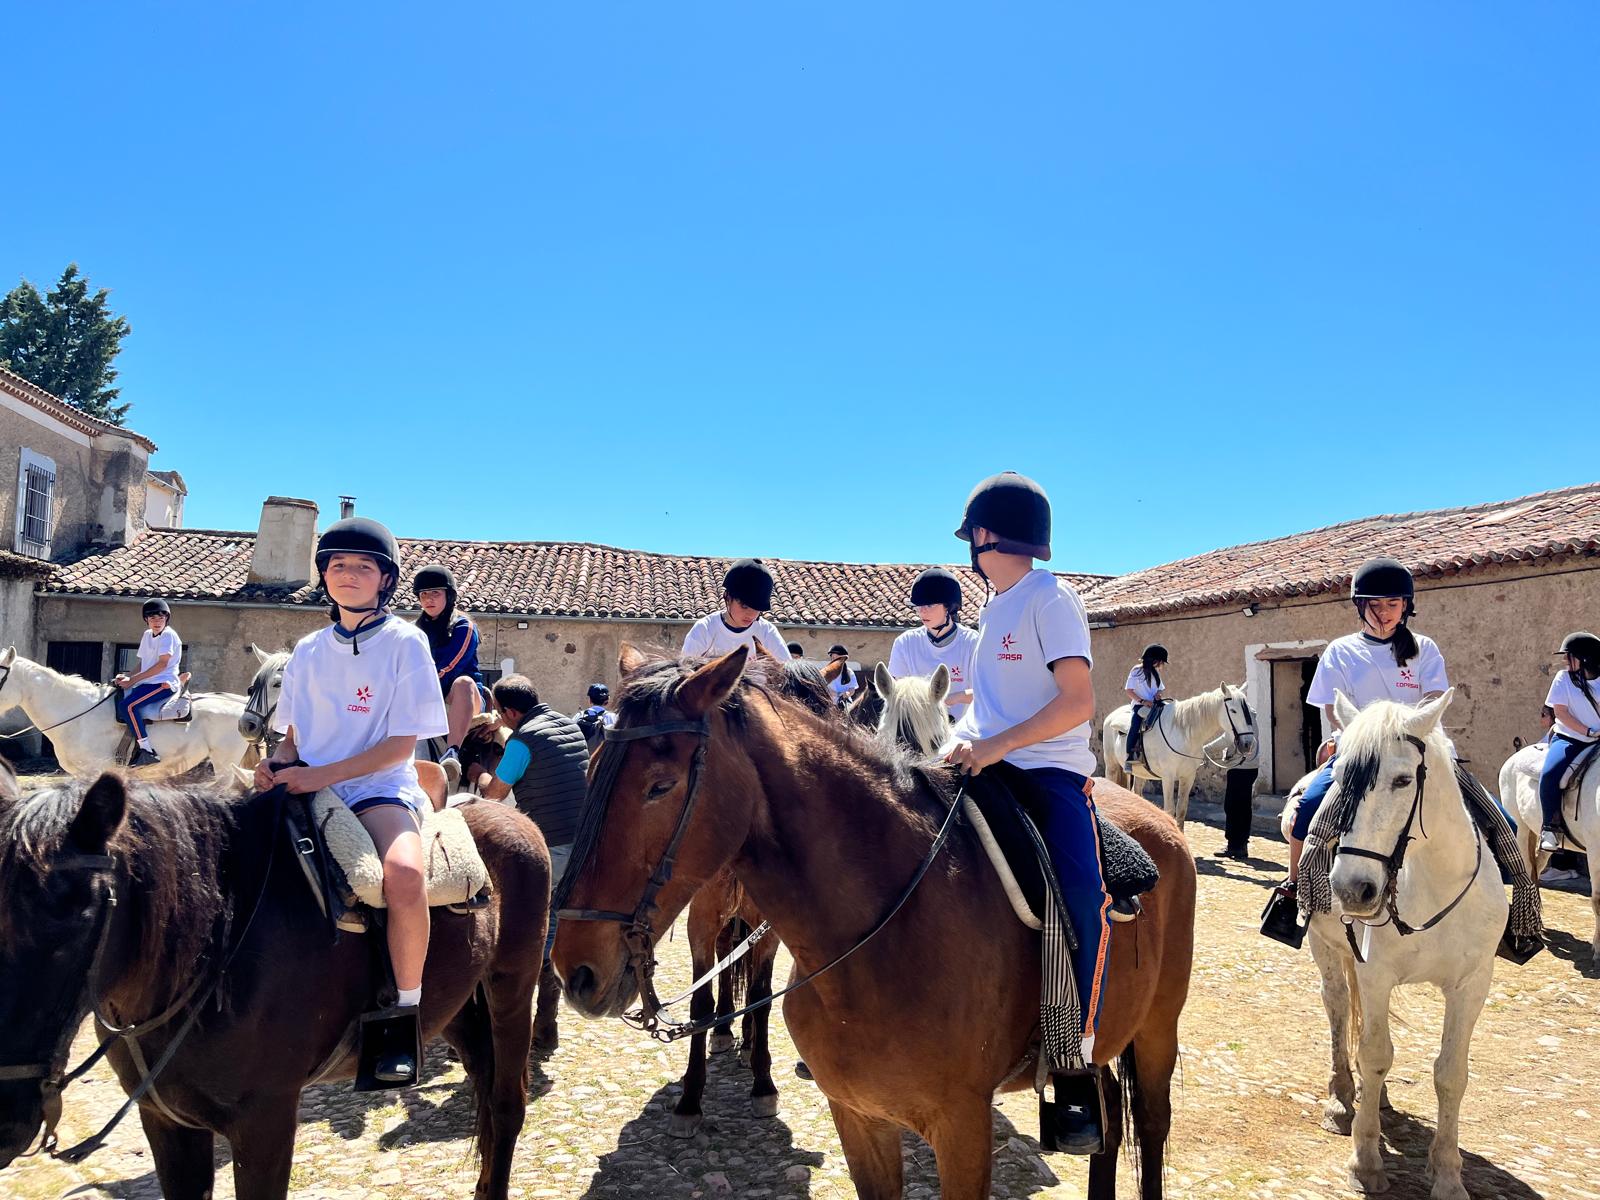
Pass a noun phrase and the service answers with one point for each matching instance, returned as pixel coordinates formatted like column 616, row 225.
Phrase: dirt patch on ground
column 1254, row 1068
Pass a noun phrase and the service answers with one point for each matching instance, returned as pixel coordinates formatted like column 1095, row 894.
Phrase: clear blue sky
column 787, row 279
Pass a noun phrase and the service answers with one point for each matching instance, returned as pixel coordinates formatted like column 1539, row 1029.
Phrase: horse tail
column 1353, row 1042
column 477, row 1036
column 1128, row 1073
column 742, row 974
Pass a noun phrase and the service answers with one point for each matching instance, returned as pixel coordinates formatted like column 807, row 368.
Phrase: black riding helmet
column 750, row 583
column 1584, row 647
column 157, row 608
column 599, row 693
column 937, row 586
column 1015, row 510
column 1154, row 653
column 435, row 575
column 360, row 535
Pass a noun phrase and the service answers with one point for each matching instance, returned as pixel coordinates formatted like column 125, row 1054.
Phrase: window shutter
column 38, row 495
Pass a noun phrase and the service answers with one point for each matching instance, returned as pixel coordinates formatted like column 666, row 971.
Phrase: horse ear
column 763, row 653
column 1343, row 711
column 882, row 681
column 833, row 670
column 262, row 656
column 941, row 683
column 245, row 779
column 100, row 813
column 712, row 683
column 629, row 659
column 1424, row 719
column 9, row 657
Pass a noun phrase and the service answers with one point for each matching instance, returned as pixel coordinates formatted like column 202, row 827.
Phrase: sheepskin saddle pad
column 455, row 869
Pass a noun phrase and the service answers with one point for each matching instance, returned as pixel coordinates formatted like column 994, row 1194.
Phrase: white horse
column 82, row 724
column 1175, row 745
column 914, row 711
column 1519, row 791
column 1447, row 877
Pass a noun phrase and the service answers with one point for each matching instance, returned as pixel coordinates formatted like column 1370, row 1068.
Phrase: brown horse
column 118, row 897
column 824, row 827
column 720, row 916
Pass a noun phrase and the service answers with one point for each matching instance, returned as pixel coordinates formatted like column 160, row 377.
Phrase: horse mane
column 805, row 683
column 1376, row 731
column 173, row 843
column 653, row 686
column 1190, row 713
column 912, row 716
column 76, row 682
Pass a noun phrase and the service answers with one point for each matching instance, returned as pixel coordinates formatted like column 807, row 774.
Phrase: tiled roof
column 569, row 579
column 171, row 479
column 20, row 566
column 1533, row 529
column 31, row 393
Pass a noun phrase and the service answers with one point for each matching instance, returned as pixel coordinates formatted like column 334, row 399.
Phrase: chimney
column 347, row 507
column 286, row 542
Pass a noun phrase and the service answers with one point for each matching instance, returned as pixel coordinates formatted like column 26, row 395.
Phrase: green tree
column 65, row 342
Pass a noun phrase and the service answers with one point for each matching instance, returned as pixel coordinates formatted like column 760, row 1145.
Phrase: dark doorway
column 1296, row 725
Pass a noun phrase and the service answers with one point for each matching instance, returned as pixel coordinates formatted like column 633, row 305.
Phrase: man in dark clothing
column 1238, row 806
column 545, row 767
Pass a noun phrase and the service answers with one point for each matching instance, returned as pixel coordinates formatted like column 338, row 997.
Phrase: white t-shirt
column 1140, row 688
column 341, row 703
column 1564, row 691
column 841, row 689
column 1365, row 671
column 914, row 653
column 710, row 636
column 152, row 647
column 1024, row 629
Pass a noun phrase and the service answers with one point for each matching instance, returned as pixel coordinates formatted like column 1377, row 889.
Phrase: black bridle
column 52, row 1074
column 270, row 738
column 1395, row 859
column 639, row 937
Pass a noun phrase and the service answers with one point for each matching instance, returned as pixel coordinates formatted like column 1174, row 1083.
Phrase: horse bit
column 1395, row 859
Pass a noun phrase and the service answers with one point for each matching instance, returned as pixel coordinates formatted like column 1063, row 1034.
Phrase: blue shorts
column 371, row 802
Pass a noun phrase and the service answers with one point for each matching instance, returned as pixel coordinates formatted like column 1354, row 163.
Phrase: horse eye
column 1402, row 781
column 658, row 790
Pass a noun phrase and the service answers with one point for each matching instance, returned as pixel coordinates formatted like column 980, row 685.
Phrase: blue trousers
column 1312, row 800
column 135, row 703
column 1557, row 759
column 1066, row 821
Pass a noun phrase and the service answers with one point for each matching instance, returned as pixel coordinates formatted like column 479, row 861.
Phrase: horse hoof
column 1372, row 1183
column 764, row 1106
column 684, row 1125
column 745, row 1055
column 1338, row 1122
column 721, row 1043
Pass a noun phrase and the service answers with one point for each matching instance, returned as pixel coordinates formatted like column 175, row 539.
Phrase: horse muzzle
column 1358, row 887
column 251, row 727
column 21, row 1115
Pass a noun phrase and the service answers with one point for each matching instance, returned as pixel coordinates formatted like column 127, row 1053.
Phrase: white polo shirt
column 914, row 653
column 710, row 636
column 1364, row 669
column 1564, row 691
column 153, row 646
column 1137, row 684
column 1021, row 631
column 340, row 703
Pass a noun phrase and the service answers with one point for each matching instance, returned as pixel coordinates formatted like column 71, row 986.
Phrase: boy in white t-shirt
column 160, row 651
column 942, row 640
column 1032, row 699
column 1383, row 660
column 746, row 595
column 356, row 697
column 1572, row 699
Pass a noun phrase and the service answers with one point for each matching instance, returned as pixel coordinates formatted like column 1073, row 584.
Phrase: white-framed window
column 36, row 493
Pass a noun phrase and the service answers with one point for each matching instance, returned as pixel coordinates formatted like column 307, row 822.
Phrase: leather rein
column 52, row 1074
column 1395, row 859
column 639, row 937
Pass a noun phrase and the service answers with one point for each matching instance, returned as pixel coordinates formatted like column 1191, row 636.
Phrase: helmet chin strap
column 367, row 614
column 977, row 553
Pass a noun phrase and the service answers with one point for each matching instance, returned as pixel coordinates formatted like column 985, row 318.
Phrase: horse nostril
column 1367, row 892
column 582, row 983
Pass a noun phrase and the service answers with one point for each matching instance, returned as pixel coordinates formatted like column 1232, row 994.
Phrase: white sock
column 409, row 997
column 144, row 744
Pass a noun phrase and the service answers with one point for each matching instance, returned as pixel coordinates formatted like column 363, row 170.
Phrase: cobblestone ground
column 1254, row 1065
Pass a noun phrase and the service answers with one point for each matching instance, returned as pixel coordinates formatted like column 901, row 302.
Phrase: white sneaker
column 1549, row 841
column 1558, row 875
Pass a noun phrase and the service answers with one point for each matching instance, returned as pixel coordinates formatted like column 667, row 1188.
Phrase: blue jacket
column 457, row 653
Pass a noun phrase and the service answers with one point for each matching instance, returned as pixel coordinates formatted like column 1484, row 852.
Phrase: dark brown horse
column 197, row 883
column 824, row 827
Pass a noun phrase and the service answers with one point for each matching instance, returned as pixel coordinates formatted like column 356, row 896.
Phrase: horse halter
column 255, row 705
column 639, row 937
column 1395, row 859
column 52, row 1074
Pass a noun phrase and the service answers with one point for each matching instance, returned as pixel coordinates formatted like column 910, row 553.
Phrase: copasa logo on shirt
column 363, row 702
column 1006, row 654
column 1407, row 679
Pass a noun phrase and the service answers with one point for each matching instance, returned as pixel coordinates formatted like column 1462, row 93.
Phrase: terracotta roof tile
column 31, row 393
column 1542, row 527
column 568, row 579
column 20, row 566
